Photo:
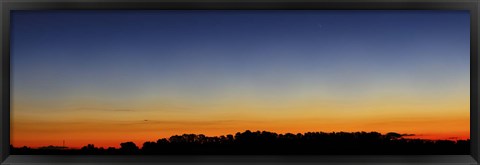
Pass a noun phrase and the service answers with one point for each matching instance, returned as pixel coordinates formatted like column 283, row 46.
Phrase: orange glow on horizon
column 103, row 134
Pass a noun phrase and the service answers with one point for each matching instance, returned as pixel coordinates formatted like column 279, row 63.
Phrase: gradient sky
column 105, row 77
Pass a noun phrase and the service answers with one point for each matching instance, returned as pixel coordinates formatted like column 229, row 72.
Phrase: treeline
column 264, row 142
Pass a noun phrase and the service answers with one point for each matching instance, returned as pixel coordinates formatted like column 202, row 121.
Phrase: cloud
column 104, row 109
column 407, row 134
column 123, row 110
column 212, row 122
column 184, row 122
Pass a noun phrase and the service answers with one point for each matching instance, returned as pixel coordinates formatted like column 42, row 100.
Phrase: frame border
column 7, row 5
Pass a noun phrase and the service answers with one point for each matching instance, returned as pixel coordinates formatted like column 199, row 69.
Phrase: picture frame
column 471, row 5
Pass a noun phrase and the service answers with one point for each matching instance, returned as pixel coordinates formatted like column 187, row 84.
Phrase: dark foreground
column 263, row 143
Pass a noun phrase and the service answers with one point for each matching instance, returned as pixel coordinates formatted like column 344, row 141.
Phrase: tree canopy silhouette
column 264, row 142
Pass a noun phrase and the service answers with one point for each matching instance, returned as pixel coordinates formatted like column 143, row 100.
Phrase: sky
column 106, row 77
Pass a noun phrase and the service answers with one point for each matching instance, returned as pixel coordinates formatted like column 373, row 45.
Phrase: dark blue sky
column 200, row 55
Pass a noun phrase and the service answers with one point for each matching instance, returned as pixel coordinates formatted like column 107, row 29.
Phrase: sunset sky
column 106, row 77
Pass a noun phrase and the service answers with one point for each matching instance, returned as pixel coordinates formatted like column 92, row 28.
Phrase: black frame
column 471, row 5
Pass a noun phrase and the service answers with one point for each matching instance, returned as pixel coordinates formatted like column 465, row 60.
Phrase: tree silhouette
column 393, row 136
column 89, row 148
column 128, row 148
column 264, row 142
